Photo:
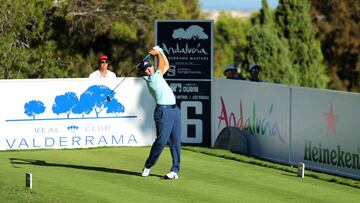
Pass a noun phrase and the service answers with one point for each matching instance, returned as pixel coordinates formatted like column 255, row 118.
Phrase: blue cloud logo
column 193, row 32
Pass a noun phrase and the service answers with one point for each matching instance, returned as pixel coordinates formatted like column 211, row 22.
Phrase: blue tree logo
column 92, row 100
column 65, row 103
column 34, row 107
column 114, row 107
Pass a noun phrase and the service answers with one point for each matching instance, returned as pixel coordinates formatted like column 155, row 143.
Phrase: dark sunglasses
column 103, row 61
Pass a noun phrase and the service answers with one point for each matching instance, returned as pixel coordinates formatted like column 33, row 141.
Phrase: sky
column 245, row 5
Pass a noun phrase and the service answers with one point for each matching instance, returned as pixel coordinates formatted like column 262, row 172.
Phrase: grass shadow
column 16, row 161
column 290, row 175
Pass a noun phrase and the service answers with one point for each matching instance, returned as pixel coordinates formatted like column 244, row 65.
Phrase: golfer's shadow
column 16, row 161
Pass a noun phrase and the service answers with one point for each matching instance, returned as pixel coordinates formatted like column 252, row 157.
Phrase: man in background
column 102, row 71
column 254, row 73
column 231, row 72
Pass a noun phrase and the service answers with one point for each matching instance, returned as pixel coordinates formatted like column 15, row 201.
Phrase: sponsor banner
column 194, row 100
column 74, row 113
column 188, row 46
column 325, row 130
column 258, row 108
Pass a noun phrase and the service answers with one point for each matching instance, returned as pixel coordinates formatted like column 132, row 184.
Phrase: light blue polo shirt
column 159, row 89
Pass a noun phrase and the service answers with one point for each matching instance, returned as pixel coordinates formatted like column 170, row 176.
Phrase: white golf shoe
column 145, row 172
column 171, row 175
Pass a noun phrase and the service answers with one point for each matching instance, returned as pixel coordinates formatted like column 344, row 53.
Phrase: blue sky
column 245, row 5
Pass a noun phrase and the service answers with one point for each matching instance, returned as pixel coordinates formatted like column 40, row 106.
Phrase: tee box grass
column 112, row 174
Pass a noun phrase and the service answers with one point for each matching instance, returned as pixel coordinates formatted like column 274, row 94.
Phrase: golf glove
column 157, row 48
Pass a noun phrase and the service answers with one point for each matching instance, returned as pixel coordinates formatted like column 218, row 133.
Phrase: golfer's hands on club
column 163, row 63
column 156, row 50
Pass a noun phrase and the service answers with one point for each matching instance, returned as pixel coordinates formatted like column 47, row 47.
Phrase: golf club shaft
column 127, row 74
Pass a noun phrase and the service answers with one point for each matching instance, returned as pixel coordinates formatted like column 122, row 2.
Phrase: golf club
column 127, row 74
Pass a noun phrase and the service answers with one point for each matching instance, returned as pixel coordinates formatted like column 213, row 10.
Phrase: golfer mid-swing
column 166, row 115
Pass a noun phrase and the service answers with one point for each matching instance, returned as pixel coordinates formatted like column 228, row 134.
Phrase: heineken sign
column 331, row 156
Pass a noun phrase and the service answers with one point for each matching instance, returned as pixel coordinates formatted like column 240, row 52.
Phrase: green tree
column 267, row 50
column 26, row 47
column 339, row 28
column 192, row 8
column 229, row 41
column 47, row 38
column 121, row 29
column 294, row 21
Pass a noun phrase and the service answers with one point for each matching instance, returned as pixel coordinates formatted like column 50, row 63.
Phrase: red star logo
column 331, row 119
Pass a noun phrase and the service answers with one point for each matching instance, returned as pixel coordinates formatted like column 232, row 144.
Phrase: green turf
column 112, row 175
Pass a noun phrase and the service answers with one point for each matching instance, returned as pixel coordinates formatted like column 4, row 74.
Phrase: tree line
column 307, row 43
